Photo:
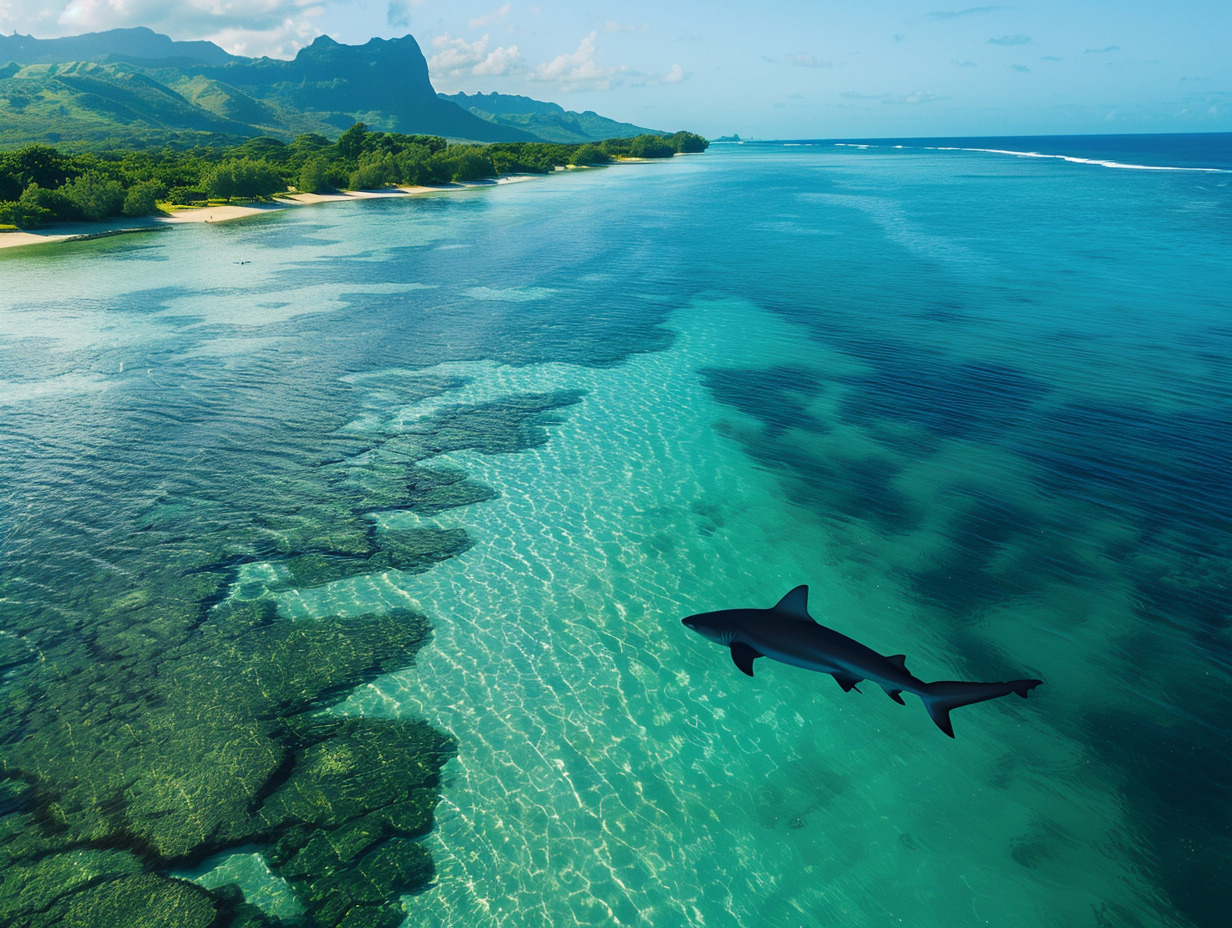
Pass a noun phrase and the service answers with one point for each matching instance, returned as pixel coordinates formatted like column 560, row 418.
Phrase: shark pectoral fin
column 795, row 605
column 744, row 656
column 847, row 681
column 898, row 660
column 894, row 694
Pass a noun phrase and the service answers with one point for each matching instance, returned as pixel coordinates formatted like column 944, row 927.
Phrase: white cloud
column 503, row 60
column 675, row 75
column 282, row 41
column 36, row 17
column 577, row 70
column 492, row 16
column 250, row 27
column 457, row 58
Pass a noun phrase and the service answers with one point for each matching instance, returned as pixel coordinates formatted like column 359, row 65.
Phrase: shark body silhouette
column 787, row 633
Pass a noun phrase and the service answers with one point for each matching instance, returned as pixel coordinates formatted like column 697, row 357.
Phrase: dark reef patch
column 1190, row 592
column 966, row 400
column 782, row 439
column 514, row 423
column 835, row 485
column 431, row 490
column 151, row 719
column 1177, row 796
column 776, row 396
column 1167, row 476
column 972, row 573
column 210, row 744
column 1154, row 465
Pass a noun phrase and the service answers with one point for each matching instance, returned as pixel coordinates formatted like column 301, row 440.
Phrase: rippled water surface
column 980, row 404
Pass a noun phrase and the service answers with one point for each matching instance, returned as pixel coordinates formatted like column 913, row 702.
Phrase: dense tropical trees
column 591, row 154
column 243, row 178
column 95, row 196
column 39, row 184
column 142, row 198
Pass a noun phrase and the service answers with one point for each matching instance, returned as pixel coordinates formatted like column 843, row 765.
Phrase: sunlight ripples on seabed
column 986, row 427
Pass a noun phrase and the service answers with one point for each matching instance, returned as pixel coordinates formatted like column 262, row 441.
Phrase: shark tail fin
column 942, row 697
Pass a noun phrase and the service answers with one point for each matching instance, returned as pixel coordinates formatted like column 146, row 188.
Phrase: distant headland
column 127, row 129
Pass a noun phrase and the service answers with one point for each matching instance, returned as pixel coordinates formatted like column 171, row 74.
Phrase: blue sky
column 774, row 69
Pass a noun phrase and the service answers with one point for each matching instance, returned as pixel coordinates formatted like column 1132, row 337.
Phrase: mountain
column 549, row 121
column 134, row 87
column 138, row 44
column 384, row 83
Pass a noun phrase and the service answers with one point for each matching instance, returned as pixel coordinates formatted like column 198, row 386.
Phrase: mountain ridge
column 139, row 88
column 549, row 121
column 137, row 42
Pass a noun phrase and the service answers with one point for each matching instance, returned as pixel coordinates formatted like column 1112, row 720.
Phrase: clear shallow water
column 978, row 403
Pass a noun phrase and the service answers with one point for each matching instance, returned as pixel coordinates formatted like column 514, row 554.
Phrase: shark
column 787, row 633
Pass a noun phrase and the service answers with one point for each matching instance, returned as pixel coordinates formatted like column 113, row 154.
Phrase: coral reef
column 155, row 715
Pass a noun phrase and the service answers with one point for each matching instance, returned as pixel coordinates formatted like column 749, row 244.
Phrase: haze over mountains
column 135, row 88
column 550, row 121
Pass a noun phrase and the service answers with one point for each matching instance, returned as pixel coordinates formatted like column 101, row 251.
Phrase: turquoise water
column 980, row 403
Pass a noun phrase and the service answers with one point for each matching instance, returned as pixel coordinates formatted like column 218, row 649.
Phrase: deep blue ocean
column 976, row 393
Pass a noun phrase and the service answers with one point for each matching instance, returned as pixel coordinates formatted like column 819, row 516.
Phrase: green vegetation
column 133, row 88
column 106, row 92
column 40, row 184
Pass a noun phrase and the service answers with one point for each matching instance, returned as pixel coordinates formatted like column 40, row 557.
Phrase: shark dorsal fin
column 795, row 604
column 898, row 660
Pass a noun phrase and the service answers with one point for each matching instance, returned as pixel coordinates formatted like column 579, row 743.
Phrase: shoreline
column 60, row 233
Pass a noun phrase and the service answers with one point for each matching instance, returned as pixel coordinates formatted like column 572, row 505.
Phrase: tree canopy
column 39, row 184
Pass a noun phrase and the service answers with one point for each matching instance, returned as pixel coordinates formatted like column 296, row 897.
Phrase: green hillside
column 548, row 121
column 94, row 105
column 135, row 89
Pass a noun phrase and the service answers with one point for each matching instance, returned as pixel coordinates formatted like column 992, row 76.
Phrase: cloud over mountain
column 249, row 27
column 457, row 58
column 579, row 69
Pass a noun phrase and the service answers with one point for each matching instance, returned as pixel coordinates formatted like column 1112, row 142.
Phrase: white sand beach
column 77, row 231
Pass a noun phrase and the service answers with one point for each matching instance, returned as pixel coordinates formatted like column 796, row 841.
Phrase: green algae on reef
column 215, row 746
column 155, row 714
